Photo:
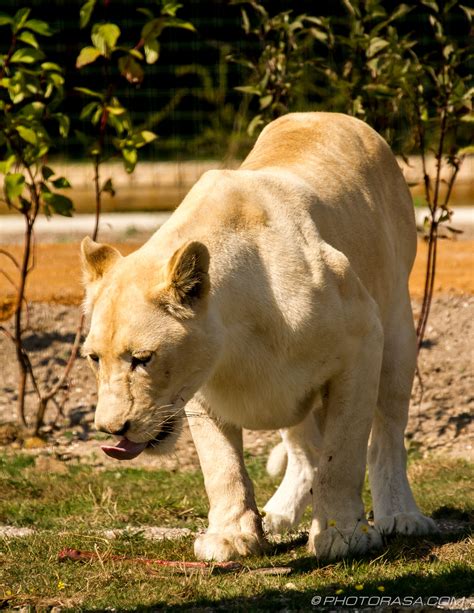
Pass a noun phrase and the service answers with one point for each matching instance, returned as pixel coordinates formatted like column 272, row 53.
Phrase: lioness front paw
column 406, row 523
column 332, row 544
column 227, row 546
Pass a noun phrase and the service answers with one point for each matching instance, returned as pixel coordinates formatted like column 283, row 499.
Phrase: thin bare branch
column 8, row 334
column 72, row 358
column 10, row 257
column 9, row 279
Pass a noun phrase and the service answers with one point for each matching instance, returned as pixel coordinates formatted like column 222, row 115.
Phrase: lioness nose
column 116, row 432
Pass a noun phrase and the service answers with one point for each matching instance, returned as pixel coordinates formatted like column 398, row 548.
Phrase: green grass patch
column 72, row 510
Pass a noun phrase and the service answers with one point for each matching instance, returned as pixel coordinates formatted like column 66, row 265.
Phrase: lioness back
column 361, row 205
column 311, row 178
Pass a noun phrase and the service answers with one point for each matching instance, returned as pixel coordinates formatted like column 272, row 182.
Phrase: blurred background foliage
column 248, row 62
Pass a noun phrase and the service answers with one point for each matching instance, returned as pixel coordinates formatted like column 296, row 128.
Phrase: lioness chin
column 276, row 296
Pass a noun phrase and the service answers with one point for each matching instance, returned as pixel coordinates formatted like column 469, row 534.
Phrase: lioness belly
column 278, row 398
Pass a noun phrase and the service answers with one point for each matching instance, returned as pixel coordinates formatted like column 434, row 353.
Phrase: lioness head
column 151, row 342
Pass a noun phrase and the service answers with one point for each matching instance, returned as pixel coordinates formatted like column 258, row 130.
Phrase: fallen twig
column 83, row 556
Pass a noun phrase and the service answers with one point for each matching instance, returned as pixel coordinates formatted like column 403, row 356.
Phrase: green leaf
column 318, row 34
column 86, row 13
column 256, row 122
column 89, row 92
column 129, row 158
column 142, row 138
column 47, row 172
column 130, row 69
column 6, row 164
column 153, row 28
column 248, row 89
column 115, row 110
column 469, row 150
column 120, row 123
column 97, row 115
column 26, row 55
column 401, row 11
column 51, row 67
column 19, row 19
column 104, row 37
column 146, row 12
column 468, row 11
column 57, row 79
column 180, row 23
column 376, row 44
column 87, row 55
column 5, row 19
column 64, row 123
column 148, row 136
column 59, row 203
column 378, row 89
column 28, row 38
column 32, row 111
column 136, row 54
column 245, row 21
column 431, row 4
column 25, row 205
column 61, row 183
column 265, row 101
column 170, row 7
column 152, row 50
column 27, row 134
column 88, row 110
column 13, row 185
column 108, row 187
column 40, row 27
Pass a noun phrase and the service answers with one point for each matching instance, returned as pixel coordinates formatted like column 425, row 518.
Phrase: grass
column 73, row 509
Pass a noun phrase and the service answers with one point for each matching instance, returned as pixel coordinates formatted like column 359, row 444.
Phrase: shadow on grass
column 409, row 590
column 414, row 586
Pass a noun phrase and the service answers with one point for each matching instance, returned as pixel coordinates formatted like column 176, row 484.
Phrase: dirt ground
column 441, row 411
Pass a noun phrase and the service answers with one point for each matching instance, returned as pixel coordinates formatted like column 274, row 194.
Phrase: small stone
column 34, row 442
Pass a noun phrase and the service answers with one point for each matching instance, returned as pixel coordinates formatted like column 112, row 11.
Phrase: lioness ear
column 187, row 279
column 97, row 259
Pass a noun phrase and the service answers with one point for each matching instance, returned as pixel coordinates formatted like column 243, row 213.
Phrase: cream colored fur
column 271, row 286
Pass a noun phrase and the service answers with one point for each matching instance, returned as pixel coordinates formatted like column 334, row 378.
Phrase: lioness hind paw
column 333, row 544
column 228, row 546
column 406, row 523
column 274, row 523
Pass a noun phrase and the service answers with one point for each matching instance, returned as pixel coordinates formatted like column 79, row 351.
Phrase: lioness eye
column 93, row 357
column 141, row 360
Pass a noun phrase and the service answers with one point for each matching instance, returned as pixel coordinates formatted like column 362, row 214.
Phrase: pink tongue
column 124, row 449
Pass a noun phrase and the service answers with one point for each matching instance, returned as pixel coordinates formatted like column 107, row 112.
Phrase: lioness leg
column 395, row 509
column 285, row 508
column 339, row 525
column 235, row 525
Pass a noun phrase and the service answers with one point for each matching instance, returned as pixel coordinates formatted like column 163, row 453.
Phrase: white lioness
column 273, row 291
